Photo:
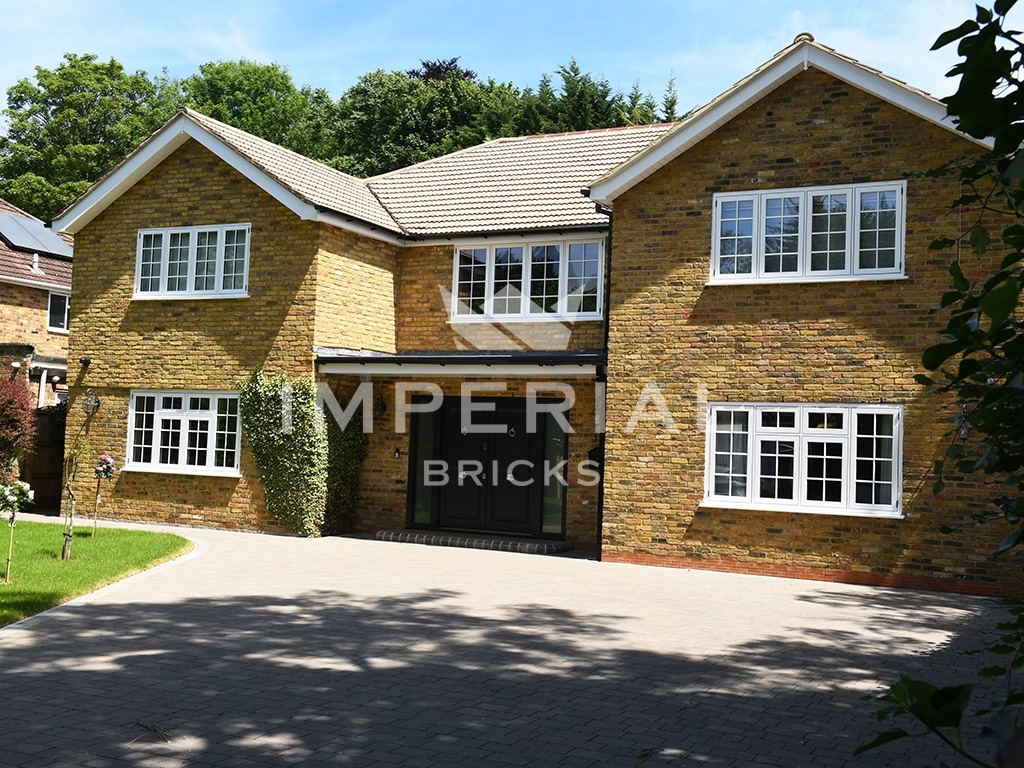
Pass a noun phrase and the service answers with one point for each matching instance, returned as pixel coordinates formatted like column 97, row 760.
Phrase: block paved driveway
column 269, row 650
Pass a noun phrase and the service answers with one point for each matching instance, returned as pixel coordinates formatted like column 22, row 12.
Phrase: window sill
column 715, row 281
column 187, row 296
column 193, row 471
column 512, row 320
column 63, row 331
column 796, row 510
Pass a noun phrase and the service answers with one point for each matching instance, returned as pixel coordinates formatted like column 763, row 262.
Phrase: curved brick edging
column 901, row 581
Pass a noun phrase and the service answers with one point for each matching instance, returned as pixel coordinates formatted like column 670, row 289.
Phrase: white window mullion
column 562, row 306
column 489, row 273
column 218, row 286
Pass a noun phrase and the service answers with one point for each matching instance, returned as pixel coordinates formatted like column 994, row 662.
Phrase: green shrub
column 345, row 453
column 289, row 446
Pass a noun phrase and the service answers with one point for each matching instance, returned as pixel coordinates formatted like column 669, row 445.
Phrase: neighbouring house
column 35, row 303
column 688, row 344
column 35, row 315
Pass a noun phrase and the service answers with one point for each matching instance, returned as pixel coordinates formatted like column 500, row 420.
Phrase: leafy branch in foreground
column 980, row 363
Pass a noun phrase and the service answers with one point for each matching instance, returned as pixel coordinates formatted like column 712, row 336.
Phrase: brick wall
column 355, row 291
column 23, row 318
column 206, row 344
column 857, row 341
column 423, row 319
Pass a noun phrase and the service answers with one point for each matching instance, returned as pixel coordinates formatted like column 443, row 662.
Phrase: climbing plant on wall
column 288, row 439
column 346, row 452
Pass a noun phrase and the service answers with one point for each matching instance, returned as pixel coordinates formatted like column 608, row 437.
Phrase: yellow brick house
column 474, row 280
column 689, row 344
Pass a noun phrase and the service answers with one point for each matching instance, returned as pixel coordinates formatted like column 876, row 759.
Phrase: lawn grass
column 41, row 580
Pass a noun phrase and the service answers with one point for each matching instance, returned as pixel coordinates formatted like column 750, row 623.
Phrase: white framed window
column 819, row 458
column 195, row 433
column 540, row 280
column 817, row 233
column 58, row 316
column 193, row 262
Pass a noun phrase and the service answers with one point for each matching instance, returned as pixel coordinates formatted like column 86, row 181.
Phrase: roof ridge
column 430, row 160
column 510, row 140
column 586, row 131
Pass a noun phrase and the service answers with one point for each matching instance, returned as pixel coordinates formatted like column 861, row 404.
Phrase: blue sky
column 707, row 45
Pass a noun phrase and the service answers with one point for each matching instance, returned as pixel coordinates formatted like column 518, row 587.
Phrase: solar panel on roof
column 30, row 235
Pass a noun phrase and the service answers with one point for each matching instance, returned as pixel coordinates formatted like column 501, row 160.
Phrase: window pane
column 149, row 267
column 198, row 437
column 781, row 230
column 226, row 451
column 472, row 281
column 206, row 261
column 177, row 261
column 824, row 472
column 170, row 440
column 874, row 460
column 59, row 311
column 544, row 273
column 825, row 419
column 508, row 280
column 736, row 237
column 828, row 223
column 584, row 263
column 730, row 460
column 235, row 247
column 777, row 469
column 877, row 243
column 142, row 429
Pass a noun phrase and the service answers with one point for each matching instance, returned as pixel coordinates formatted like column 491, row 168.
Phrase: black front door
column 494, row 481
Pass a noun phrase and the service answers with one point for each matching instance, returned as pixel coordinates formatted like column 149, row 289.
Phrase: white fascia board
column 147, row 157
column 414, row 370
column 358, row 226
column 605, row 190
column 508, row 237
column 26, row 283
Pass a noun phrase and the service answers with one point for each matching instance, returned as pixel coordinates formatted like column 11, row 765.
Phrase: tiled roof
column 53, row 270
column 314, row 182
column 525, row 183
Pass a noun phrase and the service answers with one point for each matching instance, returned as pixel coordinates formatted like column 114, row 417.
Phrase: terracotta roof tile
column 523, row 183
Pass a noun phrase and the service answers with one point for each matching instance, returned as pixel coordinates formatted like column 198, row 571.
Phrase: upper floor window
column 185, row 432
column 528, row 281
column 816, row 233
column 193, row 262
column 832, row 459
column 59, row 314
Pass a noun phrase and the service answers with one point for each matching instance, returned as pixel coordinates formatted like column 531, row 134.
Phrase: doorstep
column 476, row 541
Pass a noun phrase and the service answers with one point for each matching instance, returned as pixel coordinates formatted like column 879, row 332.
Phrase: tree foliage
column 258, row 98
column 77, row 121
column 980, row 361
column 71, row 125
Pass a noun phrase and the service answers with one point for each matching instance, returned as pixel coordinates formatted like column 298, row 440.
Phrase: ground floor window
column 831, row 459
column 190, row 432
